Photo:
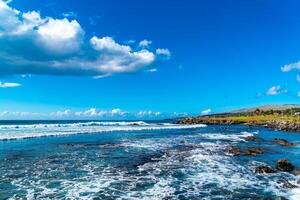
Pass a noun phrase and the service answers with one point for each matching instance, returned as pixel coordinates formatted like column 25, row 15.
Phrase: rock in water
column 236, row 151
column 281, row 198
column 252, row 138
column 264, row 170
column 289, row 185
column 282, row 142
column 254, row 151
column 297, row 172
column 284, row 165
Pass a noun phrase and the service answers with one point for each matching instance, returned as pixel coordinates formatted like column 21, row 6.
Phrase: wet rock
column 252, row 138
column 254, row 151
column 284, row 165
column 282, row 142
column 264, row 170
column 297, row 172
column 289, row 185
column 236, row 151
column 284, row 125
column 281, row 198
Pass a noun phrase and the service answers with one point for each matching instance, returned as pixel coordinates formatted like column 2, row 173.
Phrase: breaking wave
column 10, row 132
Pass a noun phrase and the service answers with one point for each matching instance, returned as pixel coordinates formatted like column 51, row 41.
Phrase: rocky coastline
column 282, row 125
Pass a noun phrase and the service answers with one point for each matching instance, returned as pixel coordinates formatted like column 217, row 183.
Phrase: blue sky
column 146, row 59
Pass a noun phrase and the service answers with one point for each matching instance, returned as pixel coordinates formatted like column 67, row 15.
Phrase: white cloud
column 19, row 115
column 148, row 113
column 70, row 14
column 130, row 41
column 9, row 85
column 145, row 43
column 206, row 112
column 164, row 52
column 108, row 44
column 32, row 44
column 61, row 113
column 93, row 112
column 152, row 70
column 117, row 111
column 274, row 90
column 60, row 36
column 289, row 67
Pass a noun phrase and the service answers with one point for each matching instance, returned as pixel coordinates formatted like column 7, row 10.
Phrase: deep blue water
column 68, row 160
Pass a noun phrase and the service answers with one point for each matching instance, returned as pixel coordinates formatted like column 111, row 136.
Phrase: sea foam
column 11, row 132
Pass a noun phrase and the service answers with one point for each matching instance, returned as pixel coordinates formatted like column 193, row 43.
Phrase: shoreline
column 277, row 124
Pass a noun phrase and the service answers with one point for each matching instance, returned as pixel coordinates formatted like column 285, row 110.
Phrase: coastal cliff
column 285, row 119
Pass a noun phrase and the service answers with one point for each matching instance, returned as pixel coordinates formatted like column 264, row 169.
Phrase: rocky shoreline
column 282, row 125
column 282, row 165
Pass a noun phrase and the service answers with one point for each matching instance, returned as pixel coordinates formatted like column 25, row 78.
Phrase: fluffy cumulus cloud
column 9, row 85
column 33, row 44
column 206, row 112
column 276, row 90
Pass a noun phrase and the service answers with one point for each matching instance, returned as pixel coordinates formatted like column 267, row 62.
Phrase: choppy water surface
column 138, row 160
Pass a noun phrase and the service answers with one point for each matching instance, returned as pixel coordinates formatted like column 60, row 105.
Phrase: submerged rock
column 284, row 165
column 282, row 142
column 253, row 138
column 236, row 151
column 264, row 170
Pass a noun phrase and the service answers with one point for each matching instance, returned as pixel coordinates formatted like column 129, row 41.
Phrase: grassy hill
column 282, row 117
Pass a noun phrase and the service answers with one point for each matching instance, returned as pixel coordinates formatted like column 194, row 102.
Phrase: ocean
column 139, row 160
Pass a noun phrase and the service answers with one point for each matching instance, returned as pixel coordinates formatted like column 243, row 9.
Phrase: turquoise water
column 138, row 160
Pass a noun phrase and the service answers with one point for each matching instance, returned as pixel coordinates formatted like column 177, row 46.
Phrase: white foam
column 10, row 132
column 230, row 137
column 206, row 168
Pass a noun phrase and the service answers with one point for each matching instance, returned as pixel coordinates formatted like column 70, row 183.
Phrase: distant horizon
column 134, row 117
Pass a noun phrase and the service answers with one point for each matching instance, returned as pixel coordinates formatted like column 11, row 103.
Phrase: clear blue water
column 138, row 160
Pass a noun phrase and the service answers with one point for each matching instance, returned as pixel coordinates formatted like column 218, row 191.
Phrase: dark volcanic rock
column 289, row 185
column 252, row 138
column 281, row 198
column 284, row 125
column 282, row 142
column 284, row 165
column 264, row 170
column 297, row 172
column 275, row 124
column 236, row 151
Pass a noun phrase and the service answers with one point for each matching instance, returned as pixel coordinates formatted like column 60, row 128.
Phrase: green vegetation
column 253, row 118
column 290, row 115
column 286, row 119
